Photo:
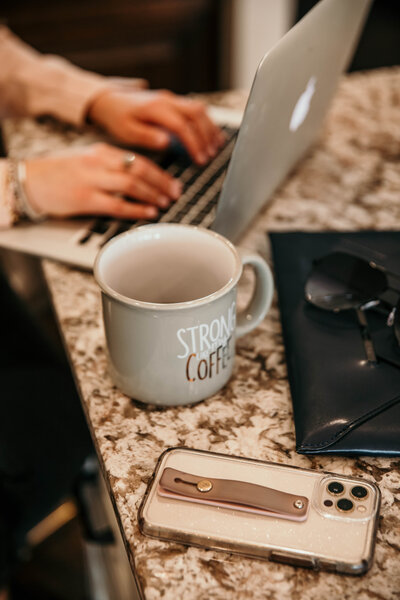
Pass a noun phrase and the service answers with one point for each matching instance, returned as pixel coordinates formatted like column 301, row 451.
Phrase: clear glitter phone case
column 337, row 534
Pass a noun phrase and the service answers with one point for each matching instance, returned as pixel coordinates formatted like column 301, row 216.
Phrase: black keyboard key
column 101, row 225
column 198, row 219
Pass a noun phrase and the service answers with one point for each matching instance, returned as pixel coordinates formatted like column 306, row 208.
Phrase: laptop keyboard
column 197, row 204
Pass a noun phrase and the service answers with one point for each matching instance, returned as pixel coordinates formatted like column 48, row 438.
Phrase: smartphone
column 261, row 509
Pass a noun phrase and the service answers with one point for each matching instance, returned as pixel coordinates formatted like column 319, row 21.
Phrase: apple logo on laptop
column 302, row 105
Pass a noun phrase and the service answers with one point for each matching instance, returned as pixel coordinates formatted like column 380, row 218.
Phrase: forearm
column 34, row 84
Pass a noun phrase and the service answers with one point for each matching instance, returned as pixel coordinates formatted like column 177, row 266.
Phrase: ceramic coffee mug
column 169, row 308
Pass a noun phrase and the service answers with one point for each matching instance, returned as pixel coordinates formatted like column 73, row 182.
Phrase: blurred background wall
column 173, row 43
column 184, row 45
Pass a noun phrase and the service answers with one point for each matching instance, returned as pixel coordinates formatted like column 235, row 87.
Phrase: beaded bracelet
column 23, row 207
column 8, row 203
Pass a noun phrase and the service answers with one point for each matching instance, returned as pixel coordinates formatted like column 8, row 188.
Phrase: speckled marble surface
column 350, row 180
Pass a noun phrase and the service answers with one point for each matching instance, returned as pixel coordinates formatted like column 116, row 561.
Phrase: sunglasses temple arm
column 366, row 336
column 388, row 273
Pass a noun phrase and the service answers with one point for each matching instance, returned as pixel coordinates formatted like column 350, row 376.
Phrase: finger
column 140, row 190
column 169, row 117
column 145, row 135
column 102, row 203
column 197, row 113
column 123, row 184
column 141, row 168
column 155, row 176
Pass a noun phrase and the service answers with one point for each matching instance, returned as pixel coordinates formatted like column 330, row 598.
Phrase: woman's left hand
column 97, row 180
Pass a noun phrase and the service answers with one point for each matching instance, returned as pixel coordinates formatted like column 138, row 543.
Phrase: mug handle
column 261, row 300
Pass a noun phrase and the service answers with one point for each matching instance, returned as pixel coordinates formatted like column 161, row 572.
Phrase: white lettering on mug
column 193, row 335
column 179, row 333
column 206, row 347
column 207, row 337
column 214, row 324
column 204, row 337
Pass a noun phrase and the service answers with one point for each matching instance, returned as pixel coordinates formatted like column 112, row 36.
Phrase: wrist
column 98, row 107
column 102, row 102
column 9, row 213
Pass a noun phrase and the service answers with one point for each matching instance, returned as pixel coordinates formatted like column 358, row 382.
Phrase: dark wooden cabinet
column 174, row 44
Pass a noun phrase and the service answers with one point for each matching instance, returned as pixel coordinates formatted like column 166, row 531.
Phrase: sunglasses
column 340, row 281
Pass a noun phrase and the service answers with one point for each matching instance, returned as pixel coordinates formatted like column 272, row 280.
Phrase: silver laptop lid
column 292, row 89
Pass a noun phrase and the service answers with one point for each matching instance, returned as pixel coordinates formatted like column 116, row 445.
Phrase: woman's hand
column 94, row 180
column 146, row 118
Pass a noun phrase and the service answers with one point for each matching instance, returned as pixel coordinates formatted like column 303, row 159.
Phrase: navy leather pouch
column 342, row 404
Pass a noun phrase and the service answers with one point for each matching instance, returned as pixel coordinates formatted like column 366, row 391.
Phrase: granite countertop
column 350, row 180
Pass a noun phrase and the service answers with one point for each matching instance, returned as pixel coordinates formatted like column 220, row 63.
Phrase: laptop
column 291, row 92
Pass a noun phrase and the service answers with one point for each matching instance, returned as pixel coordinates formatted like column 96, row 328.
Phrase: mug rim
column 125, row 300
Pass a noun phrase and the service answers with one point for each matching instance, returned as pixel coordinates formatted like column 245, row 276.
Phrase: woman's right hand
column 95, row 180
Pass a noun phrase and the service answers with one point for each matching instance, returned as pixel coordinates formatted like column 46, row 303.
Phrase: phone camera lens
column 335, row 488
column 359, row 492
column 344, row 505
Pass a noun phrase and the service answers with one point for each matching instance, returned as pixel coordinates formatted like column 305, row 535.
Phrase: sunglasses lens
column 341, row 281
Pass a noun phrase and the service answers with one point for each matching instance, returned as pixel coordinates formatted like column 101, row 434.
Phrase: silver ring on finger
column 128, row 160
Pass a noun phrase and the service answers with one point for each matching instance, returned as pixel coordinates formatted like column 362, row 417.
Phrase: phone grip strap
column 228, row 493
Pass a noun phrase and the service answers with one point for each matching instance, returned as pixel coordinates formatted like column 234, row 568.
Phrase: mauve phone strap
column 232, row 494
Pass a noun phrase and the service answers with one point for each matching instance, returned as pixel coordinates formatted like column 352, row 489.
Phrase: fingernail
column 201, row 158
column 212, row 151
column 162, row 139
column 163, row 201
column 176, row 189
column 151, row 212
column 222, row 139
